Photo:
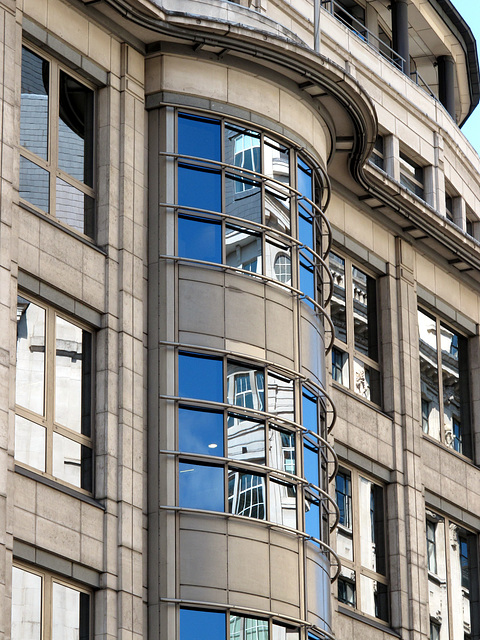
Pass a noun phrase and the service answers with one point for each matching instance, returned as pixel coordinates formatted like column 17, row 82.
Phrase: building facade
column 239, row 294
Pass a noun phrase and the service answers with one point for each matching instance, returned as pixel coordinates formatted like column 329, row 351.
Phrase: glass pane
column 75, row 208
column 72, row 462
column 312, row 516
column 364, row 313
column 281, row 449
column 337, row 304
column 280, row 397
column 243, row 249
column 246, row 494
column 427, row 329
column 202, row 625
column 199, row 188
column 70, row 613
column 200, row 377
column 366, row 381
column 75, row 129
column 340, row 371
column 242, row 628
column 449, row 342
column 347, row 588
column 242, row 148
column 374, row 598
column 243, row 198
column 26, row 605
column 30, row 443
column 34, row 103
column 277, row 197
column 310, row 463
column 307, row 279
column 246, row 439
column 280, row 632
column 199, row 239
column 245, row 386
column 278, row 263
column 30, row 374
column 199, row 137
column 201, row 486
column 460, row 564
column 345, row 544
column 309, row 410
column 343, row 496
column 34, row 184
column 283, row 504
column 68, row 374
column 200, row 431
column 366, row 524
column 277, row 161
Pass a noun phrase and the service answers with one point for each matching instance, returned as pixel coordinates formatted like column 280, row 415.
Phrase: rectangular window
column 361, row 544
column 201, row 624
column 411, row 176
column 53, row 430
column 452, row 554
column 47, row 608
column 353, row 310
column 378, row 157
column 444, row 383
column 57, row 142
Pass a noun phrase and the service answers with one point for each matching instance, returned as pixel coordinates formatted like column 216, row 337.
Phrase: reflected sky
column 200, row 377
column 200, row 431
column 199, row 137
column 201, row 486
column 202, row 625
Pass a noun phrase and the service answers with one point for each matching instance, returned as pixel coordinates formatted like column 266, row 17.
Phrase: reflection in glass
column 364, row 313
column 245, row 386
column 200, row 431
column 429, row 373
column 310, row 462
column 34, row 184
column 30, row 373
column 34, row 103
column 246, row 494
column 374, row 598
column 200, row 239
column 73, row 207
column 246, row 439
column 70, row 613
column 307, row 279
column 30, row 443
column 277, row 197
column 75, row 129
column 337, row 305
column 280, row 396
column 243, row 198
column 347, row 591
column 200, row 377
column 449, row 342
column 340, row 371
column 312, row 515
column 72, row 462
column 26, row 605
column 343, row 496
column 309, row 410
column 281, row 450
column 202, row 625
column 278, row 262
column 281, row 632
column 371, row 524
column 68, row 374
column 283, row 504
column 199, row 187
column 199, row 136
column 242, row 628
column 243, row 249
column 201, row 486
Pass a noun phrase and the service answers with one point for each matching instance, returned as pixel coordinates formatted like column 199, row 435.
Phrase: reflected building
column 239, row 388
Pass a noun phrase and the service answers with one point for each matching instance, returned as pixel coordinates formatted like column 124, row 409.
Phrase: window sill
column 49, row 482
column 377, row 624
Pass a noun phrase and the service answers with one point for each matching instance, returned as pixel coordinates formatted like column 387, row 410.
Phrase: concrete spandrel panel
column 280, row 336
column 318, row 588
column 313, row 347
column 201, row 522
column 246, row 529
column 284, row 572
column 201, row 308
column 248, row 566
column 244, row 317
column 203, row 559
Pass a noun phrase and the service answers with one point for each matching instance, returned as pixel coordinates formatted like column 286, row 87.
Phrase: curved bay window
column 246, row 446
column 249, row 201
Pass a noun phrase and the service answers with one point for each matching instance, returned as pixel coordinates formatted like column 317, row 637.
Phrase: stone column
column 400, row 31
column 446, row 83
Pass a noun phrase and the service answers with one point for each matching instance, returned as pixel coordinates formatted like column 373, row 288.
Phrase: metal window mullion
column 50, row 353
column 440, row 380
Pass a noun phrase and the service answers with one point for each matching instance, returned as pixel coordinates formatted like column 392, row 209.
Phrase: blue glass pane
column 305, row 229
column 304, row 178
column 307, row 280
column 200, row 431
column 243, row 199
column 309, row 411
column 312, row 518
column 201, row 486
column 199, row 137
column 199, row 239
column 200, row 377
column 310, row 463
column 202, row 625
column 199, row 188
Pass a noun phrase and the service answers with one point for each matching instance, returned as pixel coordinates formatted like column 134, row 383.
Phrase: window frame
column 48, row 579
column 464, row 442
column 347, row 351
column 51, row 164
column 47, row 419
column 412, row 175
column 353, row 532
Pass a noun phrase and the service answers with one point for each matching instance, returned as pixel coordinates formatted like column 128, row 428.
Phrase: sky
column 469, row 10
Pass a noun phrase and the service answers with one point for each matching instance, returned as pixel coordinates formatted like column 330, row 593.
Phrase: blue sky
column 469, row 10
